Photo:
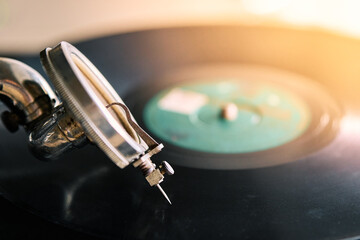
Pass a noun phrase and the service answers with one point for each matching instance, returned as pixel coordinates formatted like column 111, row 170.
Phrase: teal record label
column 191, row 116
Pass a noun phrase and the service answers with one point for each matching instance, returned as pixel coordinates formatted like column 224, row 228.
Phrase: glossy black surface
column 16, row 223
column 316, row 197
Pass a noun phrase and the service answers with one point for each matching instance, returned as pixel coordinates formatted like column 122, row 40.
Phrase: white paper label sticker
column 183, row 101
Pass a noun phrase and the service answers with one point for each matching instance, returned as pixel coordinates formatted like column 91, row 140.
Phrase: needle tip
column 163, row 193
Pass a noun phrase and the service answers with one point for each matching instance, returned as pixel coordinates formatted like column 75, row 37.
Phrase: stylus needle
column 163, row 193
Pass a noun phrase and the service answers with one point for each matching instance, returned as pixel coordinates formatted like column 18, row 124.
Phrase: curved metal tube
column 34, row 105
column 26, row 92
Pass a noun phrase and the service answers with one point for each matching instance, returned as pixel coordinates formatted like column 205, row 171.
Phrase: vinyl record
column 284, row 165
column 280, row 116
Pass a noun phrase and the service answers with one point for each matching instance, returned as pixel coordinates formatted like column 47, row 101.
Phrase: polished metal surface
column 34, row 105
column 86, row 93
column 27, row 92
column 91, row 114
column 56, row 135
column 165, row 167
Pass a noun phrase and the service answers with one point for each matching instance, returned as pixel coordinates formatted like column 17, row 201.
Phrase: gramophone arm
column 33, row 104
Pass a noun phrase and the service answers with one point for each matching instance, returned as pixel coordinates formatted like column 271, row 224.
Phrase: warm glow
column 26, row 31
column 264, row 6
column 339, row 15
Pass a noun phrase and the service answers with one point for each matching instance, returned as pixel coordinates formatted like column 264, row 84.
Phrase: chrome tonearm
column 87, row 109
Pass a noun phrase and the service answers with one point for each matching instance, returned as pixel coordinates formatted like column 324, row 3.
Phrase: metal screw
column 165, row 167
